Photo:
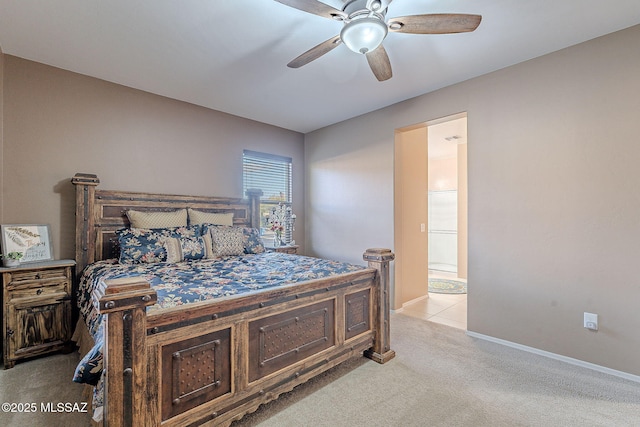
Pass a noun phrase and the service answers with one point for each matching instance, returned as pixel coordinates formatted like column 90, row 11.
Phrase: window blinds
column 268, row 172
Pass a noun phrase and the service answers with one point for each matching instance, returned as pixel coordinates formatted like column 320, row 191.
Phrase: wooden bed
column 209, row 363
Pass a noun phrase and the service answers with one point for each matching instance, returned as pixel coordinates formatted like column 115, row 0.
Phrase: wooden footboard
column 210, row 363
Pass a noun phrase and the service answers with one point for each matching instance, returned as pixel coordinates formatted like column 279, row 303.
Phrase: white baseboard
column 399, row 310
column 570, row 360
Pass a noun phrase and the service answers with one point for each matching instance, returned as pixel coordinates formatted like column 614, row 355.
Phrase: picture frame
column 33, row 240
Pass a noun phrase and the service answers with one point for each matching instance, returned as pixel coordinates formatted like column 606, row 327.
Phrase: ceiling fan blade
column 315, row 52
column 315, row 7
column 437, row 23
column 379, row 62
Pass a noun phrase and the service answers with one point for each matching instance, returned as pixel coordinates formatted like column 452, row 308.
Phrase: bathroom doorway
column 447, row 223
column 436, row 257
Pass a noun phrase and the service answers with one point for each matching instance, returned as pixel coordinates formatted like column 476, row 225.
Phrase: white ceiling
column 231, row 55
column 443, row 138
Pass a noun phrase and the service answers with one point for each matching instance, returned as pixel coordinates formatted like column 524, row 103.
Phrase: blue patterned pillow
column 252, row 242
column 146, row 245
column 187, row 248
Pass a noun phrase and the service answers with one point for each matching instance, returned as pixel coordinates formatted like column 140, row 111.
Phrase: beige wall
column 57, row 123
column 347, row 197
column 553, row 214
column 410, row 203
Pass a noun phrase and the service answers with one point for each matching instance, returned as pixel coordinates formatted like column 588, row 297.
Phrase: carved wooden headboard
column 99, row 213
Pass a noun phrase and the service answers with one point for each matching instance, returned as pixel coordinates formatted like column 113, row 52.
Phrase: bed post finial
column 86, row 184
column 254, row 195
column 381, row 351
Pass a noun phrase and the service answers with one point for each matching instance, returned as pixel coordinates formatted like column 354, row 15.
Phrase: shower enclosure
column 443, row 230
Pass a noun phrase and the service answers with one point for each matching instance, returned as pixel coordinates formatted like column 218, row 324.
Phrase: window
column 271, row 174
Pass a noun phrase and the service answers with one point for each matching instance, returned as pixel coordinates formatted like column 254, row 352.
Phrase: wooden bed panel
column 290, row 372
column 283, row 339
column 194, row 371
column 357, row 313
column 107, row 244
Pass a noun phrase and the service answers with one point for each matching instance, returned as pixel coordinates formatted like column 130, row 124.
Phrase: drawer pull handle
column 37, row 275
column 39, row 291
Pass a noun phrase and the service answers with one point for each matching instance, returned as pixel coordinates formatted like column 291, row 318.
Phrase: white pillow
column 215, row 218
column 157, row 219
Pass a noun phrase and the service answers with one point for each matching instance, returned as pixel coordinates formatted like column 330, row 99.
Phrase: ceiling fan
column 365, row 28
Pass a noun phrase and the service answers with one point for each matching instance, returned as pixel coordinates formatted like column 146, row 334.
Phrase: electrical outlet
column 591, row 321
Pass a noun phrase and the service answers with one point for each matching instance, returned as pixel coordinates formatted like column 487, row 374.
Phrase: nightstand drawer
column 28, row 277
column 35, row 290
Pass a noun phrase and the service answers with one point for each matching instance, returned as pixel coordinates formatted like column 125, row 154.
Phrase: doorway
column 431, row 196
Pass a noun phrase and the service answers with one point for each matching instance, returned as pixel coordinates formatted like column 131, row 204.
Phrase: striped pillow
column 188, row 248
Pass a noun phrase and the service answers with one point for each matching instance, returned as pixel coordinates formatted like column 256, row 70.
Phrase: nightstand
column 292, row 249
column 36, row 309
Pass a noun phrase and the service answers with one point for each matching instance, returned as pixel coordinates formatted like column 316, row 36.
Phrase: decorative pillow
column 208, row 245
column 154, row 219
column 227, row 241
column 143, row 245
column 216, row 218
column 185, row 248
column 252, row 241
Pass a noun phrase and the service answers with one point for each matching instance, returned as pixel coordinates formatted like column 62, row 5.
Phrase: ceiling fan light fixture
column 364, row 35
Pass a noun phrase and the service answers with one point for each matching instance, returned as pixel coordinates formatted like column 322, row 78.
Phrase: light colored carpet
column 44, row 380
column 440, row 377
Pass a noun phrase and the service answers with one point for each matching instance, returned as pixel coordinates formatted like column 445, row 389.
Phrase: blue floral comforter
column 198, row 280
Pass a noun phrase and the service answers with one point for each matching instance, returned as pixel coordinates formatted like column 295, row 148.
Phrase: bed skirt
column 84, row 341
